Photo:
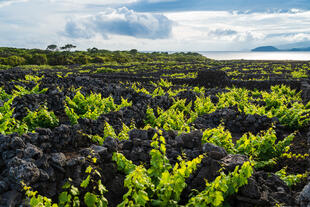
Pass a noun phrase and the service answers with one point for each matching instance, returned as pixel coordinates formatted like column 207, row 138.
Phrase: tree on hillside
column 68, row 47
column 92, row 50
column 133, row 51
column 51, row 47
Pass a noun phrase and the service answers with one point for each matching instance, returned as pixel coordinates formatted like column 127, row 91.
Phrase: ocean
column 283, row 55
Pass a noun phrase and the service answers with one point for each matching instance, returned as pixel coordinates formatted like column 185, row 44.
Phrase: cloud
column 77, row 30
column 219, row 5
column 38, row 23
column 4, row 3
column 239, row 27
column 99, row 2
column 222, row 32
column 120, row 21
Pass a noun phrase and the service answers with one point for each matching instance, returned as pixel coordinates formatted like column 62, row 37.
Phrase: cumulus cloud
column 77, row 30
column 121, row 21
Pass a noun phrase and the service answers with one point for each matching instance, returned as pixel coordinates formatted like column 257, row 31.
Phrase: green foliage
column 32, row 78
column 173, row 93
column 171, row 185
column 177, row 117
column 70, row 195
column 14, row 60
column 263, row 146
column 296, row 116
column 122, row 163
column 158, row 92
column 159, row 162
column 4, row 67
column 299, row 74
column 73, row 117
column 91, row 106
column 21, row 91
column 51, row 47
column 39, row 59
column 91, row 198
column 291, row 180
column 162, row 83
column 68, row 47
column 94, row 138
column 220, row 137
column 181, row 75
column 52, row 56
column 236, row 96
column 138, row 183
column 155, row 186
column 282, row 102
column 264, row 164
column 123, row 135
column 136, row 87
column 82, row 59
column 8, row 124
column 3, row 95
column 109, row 131
column 41, row 118
column 223, row 186
column 170, row 119
column 37, row 200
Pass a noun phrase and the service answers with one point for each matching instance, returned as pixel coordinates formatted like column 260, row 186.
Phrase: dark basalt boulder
column 190, row 140
column 190, row 96
column 32, row 152
column 263, row 189
column 138, row 134
column 231, row 161
column 235, row 121
column 213, row 78
column 10, row 198
column 304, row 197
column 22, row 170
column 214, row 151
column 305, row 94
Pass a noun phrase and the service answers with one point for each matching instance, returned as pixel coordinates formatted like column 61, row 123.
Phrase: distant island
column 272, row 49
column 265, row 48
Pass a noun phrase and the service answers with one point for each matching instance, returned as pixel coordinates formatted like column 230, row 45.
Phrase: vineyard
column 173, row 132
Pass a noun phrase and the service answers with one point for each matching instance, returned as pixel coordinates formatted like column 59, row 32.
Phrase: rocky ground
column 45, row 158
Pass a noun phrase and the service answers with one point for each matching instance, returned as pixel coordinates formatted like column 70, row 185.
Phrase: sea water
column 283, row 55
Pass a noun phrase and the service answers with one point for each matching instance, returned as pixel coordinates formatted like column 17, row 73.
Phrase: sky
column 155, row 25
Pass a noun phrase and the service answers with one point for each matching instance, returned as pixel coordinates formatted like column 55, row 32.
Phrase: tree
column 51, row 47
column 133, row 51
column 92, row 50
column 68, row 47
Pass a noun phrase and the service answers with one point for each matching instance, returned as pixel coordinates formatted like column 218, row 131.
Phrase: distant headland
column 273, row 49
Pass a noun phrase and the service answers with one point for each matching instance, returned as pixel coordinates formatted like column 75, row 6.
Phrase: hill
column 272, row 48
column 265, row 48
